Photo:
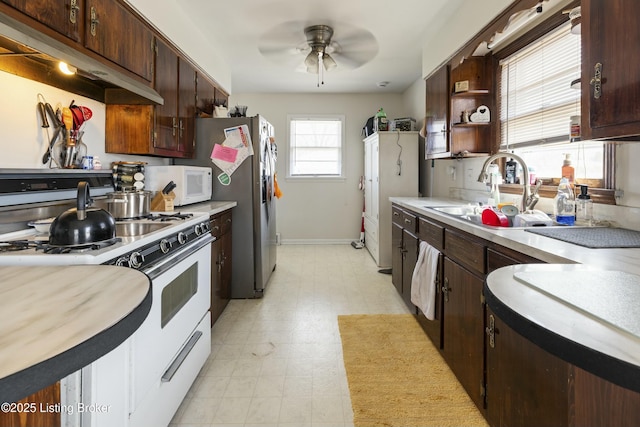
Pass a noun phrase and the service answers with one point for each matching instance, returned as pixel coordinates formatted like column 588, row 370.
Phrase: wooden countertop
column 56, row 320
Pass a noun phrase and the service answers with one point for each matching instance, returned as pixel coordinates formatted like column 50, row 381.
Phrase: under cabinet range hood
column 23, row 48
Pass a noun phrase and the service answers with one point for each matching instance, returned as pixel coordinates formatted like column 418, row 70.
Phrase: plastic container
column 564, row 204
column 381, row 123
column 567, row 170
column 492, row 216
column 584, row 207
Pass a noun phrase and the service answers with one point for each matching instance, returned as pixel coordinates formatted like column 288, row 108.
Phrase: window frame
column 602, row 191
column 321, row 177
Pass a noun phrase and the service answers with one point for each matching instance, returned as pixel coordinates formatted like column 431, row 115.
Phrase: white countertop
column 562, row 321
column 567, row 310
column 211, row 207
column 543, row 248
column 50, row 311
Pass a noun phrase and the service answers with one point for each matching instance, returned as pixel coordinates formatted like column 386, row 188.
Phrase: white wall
column 321, row 211
column 23, row 141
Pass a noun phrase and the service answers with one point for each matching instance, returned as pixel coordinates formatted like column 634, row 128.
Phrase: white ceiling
column 240, row 26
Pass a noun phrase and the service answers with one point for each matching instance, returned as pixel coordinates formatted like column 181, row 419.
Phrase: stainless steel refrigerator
column 252, row 186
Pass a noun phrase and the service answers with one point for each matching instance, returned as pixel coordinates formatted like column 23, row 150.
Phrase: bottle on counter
column 564, row 204
column 495, row 179
column 510, row 171
column 567, row 170
column 584, row 207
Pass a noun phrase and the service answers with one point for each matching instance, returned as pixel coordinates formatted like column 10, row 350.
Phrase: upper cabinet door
column 437, row 112
column 118, row 35
column 65, row 16
column 610, row 69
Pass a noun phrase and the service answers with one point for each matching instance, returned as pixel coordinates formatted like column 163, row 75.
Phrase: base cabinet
column 220, row 263
column 463, row 327
column 46, row 397
column 525, row 385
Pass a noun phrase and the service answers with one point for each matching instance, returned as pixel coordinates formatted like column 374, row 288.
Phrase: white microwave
column 193, row 183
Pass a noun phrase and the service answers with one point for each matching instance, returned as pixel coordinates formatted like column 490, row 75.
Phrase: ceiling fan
column 319, row 51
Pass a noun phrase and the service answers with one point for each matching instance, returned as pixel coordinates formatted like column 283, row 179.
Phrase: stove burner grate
column 170, row 217
column 20, row 245
column 51, row 249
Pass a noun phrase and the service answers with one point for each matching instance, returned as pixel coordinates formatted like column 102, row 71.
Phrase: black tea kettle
column 82, row 226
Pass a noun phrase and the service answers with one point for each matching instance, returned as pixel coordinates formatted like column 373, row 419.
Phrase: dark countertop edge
column 26, row 382
column 619, row 372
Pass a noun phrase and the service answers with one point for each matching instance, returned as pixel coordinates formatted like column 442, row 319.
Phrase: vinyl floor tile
column 277, row 361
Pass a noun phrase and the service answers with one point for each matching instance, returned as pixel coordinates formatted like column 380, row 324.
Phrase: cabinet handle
column 73, row 11
column 596, row 81
column 491, row 331
column 446, row 289
column 407, row 221
column 94, row 21
column 181, row 128
column 395, row 213
column 174, row 126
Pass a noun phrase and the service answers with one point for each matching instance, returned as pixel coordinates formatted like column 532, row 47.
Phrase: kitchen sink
column 136, row 229
column 473, row 214
column 469, row 213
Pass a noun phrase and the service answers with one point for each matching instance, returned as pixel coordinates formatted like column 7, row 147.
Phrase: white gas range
column 144, row 380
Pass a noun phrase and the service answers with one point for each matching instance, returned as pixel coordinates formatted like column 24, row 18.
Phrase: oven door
column 171, row 346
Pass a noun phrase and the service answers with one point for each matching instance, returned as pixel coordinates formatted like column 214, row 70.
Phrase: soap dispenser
column 564, row 204
column 567, row 170
column 584, row 207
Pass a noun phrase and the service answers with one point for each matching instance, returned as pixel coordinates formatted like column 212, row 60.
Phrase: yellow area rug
column 398, row 378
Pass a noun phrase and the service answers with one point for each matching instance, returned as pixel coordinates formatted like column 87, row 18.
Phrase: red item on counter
column 492, row 216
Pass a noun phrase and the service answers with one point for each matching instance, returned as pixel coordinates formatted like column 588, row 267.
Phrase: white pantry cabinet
column 390, row 170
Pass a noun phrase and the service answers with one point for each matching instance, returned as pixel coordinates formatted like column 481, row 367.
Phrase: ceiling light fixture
column 516, row 22
column 67, row 69
column 319, row 60
column 382, row 84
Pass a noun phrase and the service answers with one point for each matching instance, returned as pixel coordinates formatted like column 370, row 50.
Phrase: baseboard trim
column 316, row 241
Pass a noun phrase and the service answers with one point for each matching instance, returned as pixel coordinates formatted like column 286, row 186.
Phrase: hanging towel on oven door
column 423, row 280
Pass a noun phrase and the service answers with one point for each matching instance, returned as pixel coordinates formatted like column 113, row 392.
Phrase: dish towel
column 423, row 280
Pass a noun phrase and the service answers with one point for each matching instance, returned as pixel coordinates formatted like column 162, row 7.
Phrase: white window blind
column 315, row 146
column 536, row 98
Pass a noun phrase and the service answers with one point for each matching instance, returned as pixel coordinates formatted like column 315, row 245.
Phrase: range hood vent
column 24, row 48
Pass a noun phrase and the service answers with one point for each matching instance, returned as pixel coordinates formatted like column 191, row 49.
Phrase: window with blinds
column 537, row 101
column 536, row 97
column 316, row 146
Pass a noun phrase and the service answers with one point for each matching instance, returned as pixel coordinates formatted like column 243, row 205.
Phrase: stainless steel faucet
column 529, row 199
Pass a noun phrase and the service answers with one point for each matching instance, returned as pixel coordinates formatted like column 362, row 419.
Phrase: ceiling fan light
column 311, row 61
column 329, row 62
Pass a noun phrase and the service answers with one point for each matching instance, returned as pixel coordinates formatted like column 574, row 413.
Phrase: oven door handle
column 173, row 368
column 154, row 272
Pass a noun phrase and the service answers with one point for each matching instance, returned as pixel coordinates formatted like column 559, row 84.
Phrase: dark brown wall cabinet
column 163, row 130
column 610, row 72
column 449, row 131
column 65, row 17
column 106, row 24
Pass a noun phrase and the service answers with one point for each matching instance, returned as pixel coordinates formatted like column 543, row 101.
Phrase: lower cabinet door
column 463, row 333
column 526, row 386
column 410, row 257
